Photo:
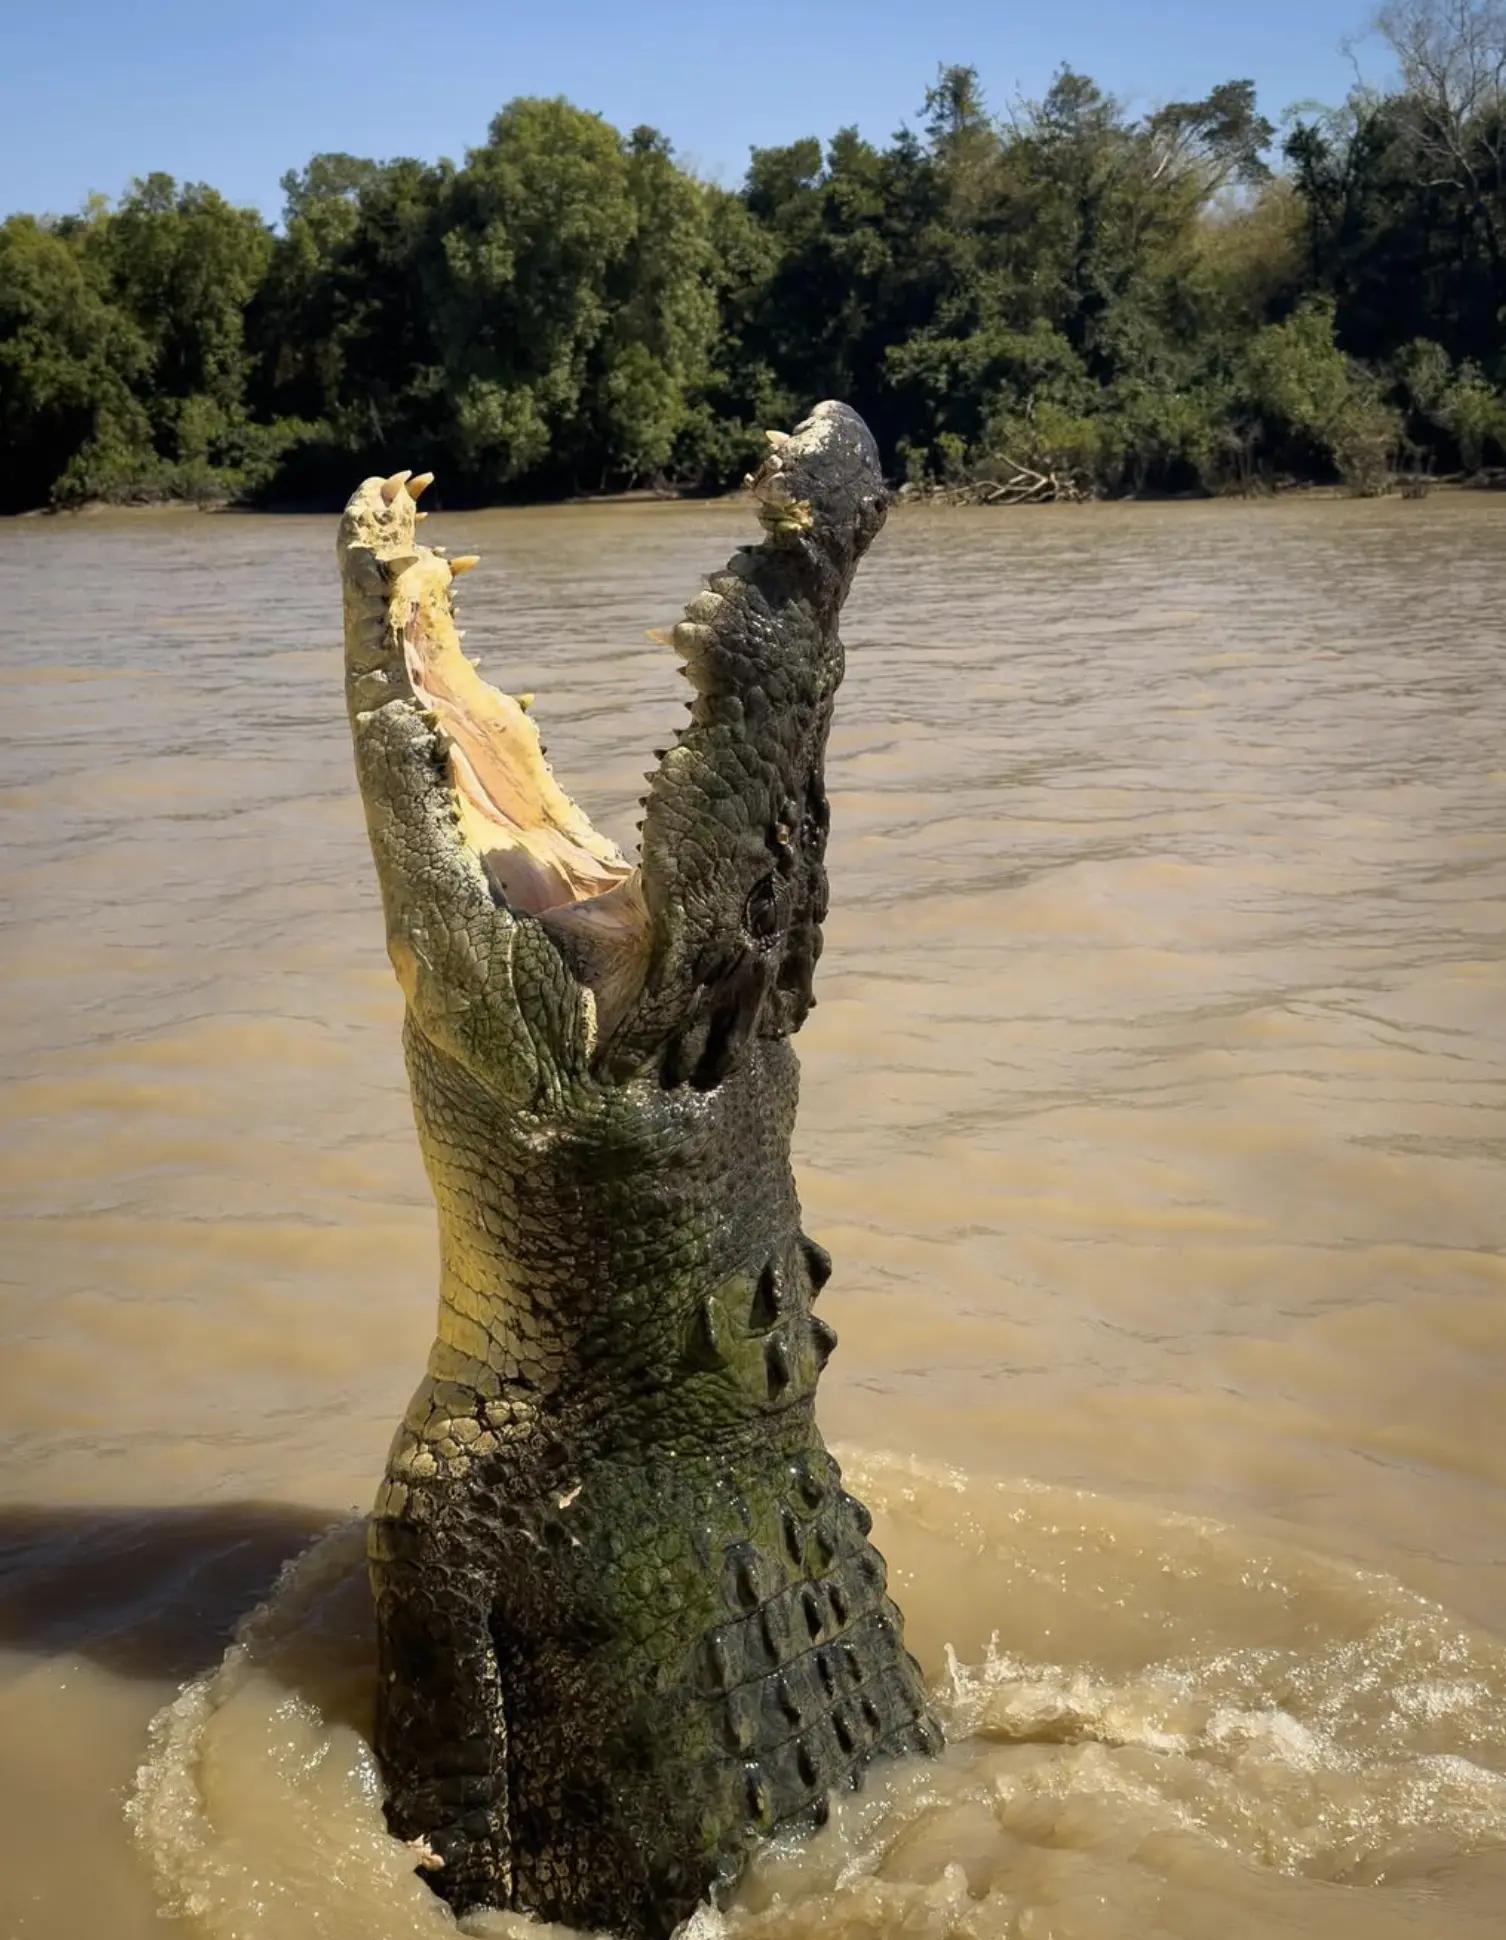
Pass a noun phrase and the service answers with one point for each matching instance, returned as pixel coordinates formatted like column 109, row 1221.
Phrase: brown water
column 1155, row 1114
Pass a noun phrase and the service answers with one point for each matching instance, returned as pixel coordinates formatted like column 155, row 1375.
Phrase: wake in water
column 1230, row 1743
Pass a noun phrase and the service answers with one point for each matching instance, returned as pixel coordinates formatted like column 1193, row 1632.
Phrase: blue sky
column 233, row 93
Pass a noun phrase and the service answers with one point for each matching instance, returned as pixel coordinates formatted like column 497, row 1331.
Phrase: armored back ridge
column 629, row 1620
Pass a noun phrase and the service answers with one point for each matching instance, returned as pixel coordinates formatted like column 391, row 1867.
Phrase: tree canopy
column 1069, row 292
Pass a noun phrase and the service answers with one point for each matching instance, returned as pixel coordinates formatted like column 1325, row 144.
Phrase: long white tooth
column 417, row 486
column 777, row 438
column 463, row 562
column 392, row 486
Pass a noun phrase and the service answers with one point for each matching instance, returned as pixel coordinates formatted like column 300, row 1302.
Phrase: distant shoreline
column 966, row 498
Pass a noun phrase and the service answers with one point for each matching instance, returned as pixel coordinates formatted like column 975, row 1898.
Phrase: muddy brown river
column 1155, row 1114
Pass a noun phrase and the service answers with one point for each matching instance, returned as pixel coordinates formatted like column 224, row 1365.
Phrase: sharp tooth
column 525, row 701
column 392, row 486
column 419, row 485
column 420, row 515
column 464, row 562
column 775, row 438
column 662, row 636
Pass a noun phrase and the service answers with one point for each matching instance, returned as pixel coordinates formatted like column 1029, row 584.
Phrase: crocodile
column 629, row 1620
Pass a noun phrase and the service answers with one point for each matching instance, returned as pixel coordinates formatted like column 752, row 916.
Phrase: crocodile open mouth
column 711, row 838
column 538, row 849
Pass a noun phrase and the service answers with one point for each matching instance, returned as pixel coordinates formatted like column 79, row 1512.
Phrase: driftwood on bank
column 1016, row 484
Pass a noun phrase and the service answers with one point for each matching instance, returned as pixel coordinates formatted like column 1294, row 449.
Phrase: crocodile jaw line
column 537, row 849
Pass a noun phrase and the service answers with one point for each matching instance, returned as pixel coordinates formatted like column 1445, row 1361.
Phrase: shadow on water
column 151, row 1593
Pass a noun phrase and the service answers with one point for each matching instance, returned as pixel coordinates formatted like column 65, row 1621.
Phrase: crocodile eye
column 762, row 912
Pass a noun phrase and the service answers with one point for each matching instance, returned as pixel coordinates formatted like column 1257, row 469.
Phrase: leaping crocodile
column 629, row 1620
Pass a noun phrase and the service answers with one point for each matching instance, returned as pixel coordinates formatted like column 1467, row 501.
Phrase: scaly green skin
column 629, row 1620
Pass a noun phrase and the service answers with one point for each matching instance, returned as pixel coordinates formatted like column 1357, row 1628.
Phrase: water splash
column 1233, row 1786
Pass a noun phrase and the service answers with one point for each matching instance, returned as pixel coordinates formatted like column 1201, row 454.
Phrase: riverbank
column 988, row 493
column 1036, row 488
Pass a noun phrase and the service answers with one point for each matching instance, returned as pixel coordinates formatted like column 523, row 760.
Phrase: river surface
column 1155, row 1114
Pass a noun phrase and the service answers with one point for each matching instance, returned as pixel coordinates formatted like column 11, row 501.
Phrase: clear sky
column 233, row 92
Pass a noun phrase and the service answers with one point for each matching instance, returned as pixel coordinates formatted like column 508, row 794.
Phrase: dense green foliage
column 1066, row 301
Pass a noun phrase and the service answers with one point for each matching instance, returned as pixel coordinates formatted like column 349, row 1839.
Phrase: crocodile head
column 487, row 865
column 628, row 1620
